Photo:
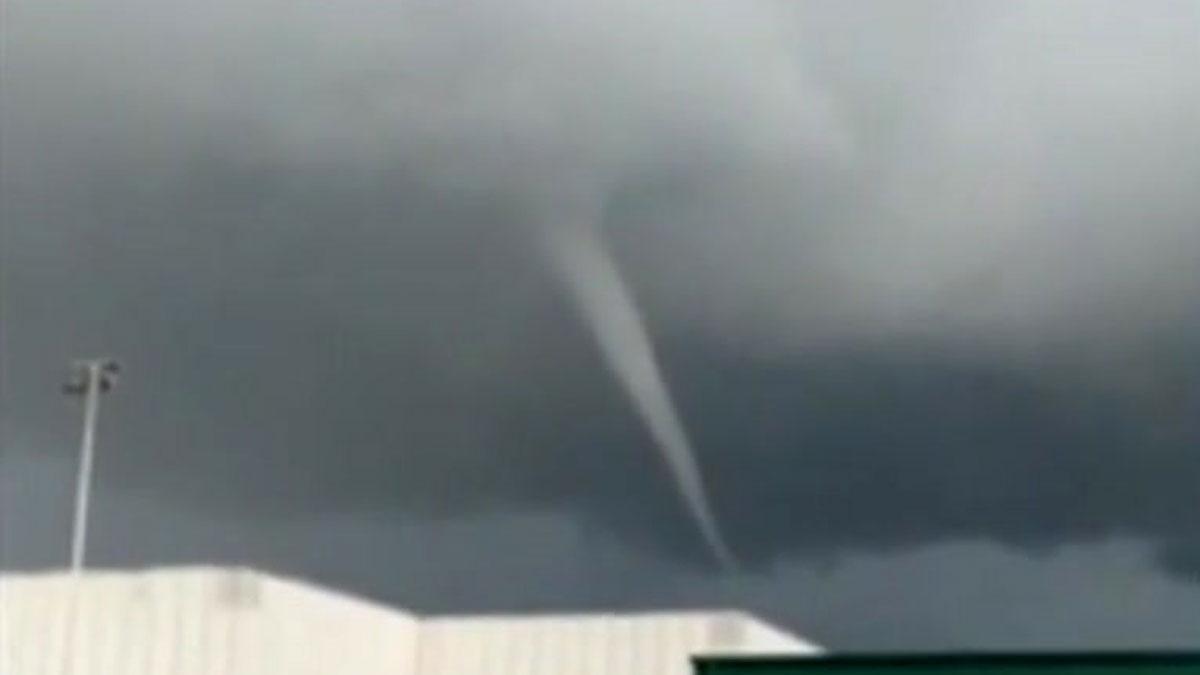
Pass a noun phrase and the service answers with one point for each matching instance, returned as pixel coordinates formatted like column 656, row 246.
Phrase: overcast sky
column 922, row 278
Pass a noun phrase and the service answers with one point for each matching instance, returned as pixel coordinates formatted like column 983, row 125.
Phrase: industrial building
column 220, row 621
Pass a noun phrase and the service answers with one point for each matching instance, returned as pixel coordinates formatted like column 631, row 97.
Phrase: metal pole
column 83, row 484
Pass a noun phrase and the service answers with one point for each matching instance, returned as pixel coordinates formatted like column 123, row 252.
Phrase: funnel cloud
column 608, row 307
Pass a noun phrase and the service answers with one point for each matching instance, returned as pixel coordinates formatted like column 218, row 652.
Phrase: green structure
column 959, row 664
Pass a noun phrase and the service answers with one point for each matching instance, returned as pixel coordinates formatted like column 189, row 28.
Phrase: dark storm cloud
column 1090, row 596
column 914, row 279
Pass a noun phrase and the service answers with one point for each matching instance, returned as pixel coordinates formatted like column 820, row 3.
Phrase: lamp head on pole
column 82, row 372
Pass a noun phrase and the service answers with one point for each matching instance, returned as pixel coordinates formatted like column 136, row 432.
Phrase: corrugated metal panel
column 195, row 622
column 209, row 621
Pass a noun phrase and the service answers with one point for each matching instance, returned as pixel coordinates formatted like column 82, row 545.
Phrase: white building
column 214, row 621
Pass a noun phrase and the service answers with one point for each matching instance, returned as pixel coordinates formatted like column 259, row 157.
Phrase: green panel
column 1007, row 664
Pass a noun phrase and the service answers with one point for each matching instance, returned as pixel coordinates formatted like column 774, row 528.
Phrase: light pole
column 89, row 378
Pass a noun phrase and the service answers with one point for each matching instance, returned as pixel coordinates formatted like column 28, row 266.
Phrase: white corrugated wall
column 212, row 621
column 194, row 622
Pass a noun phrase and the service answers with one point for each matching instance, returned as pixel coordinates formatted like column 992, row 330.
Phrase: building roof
column 209, row 620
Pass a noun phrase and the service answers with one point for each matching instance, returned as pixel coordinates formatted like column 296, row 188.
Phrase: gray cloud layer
column 1095, row 596
column 916, row 276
